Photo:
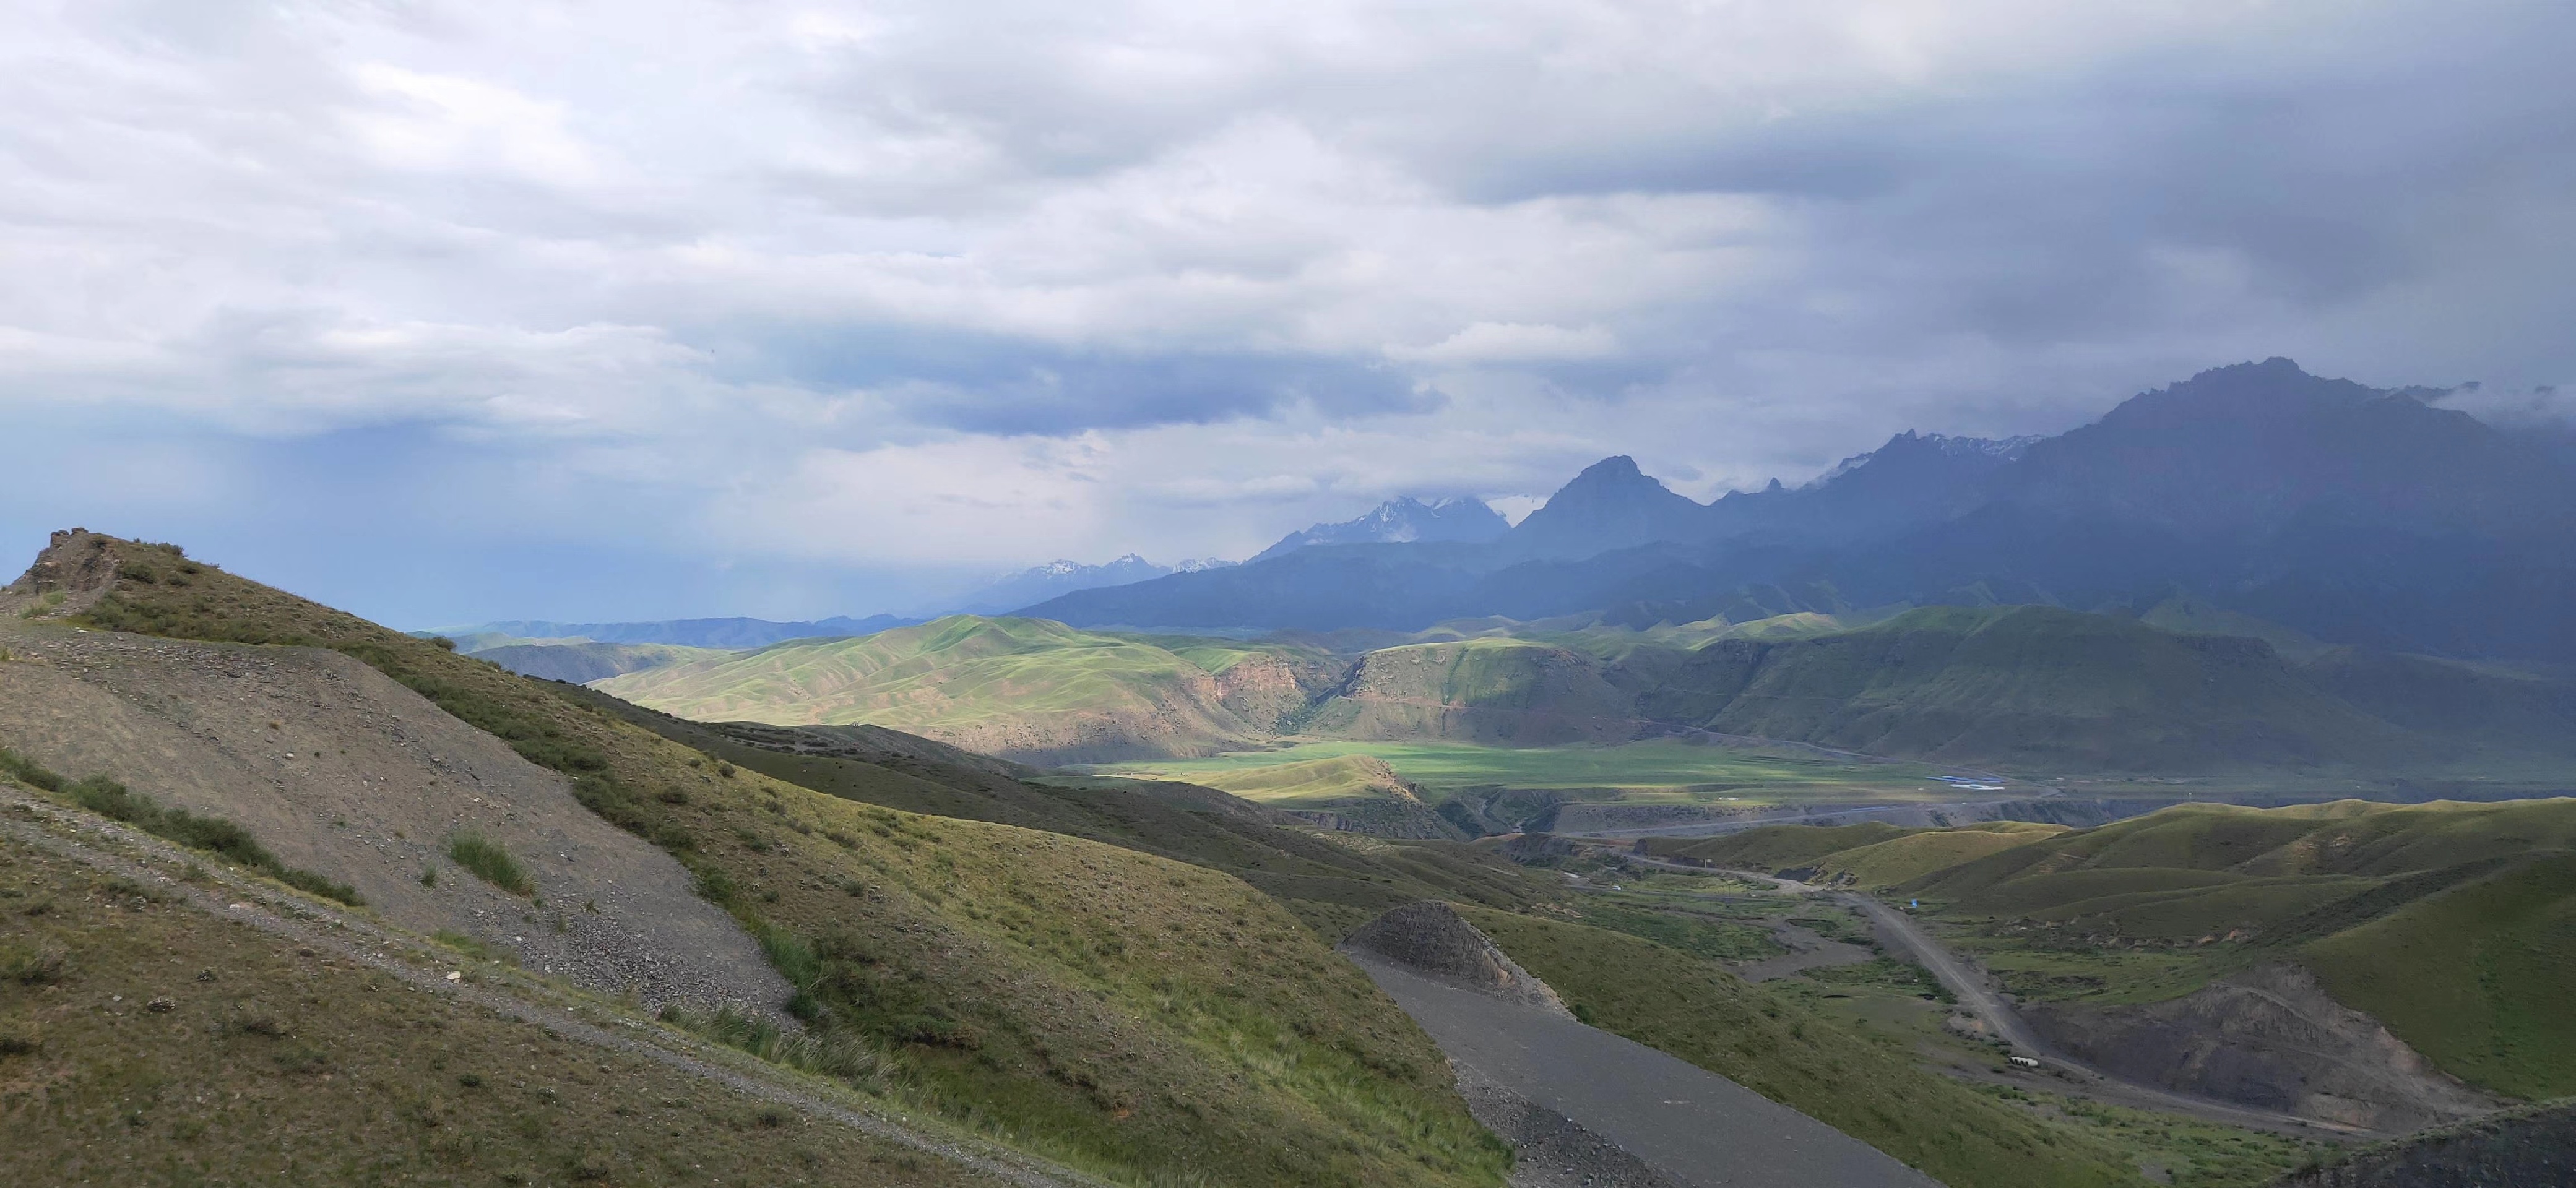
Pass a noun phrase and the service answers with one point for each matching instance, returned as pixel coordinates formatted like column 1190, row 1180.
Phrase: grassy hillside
column 2184, row 690
column 1906, row 859
column 2475, row 977
column 1313, row 782
column 1775, row 847
column 1024, row 688
column 2185, row 615
column 2035, row 687
column 1353, row 792
column 2454, row 924
column 1122, row 1012
column 142, row 1042
column 1870, row 1089
column 1665, row 768
column 1333, row 885
column 1493, row 691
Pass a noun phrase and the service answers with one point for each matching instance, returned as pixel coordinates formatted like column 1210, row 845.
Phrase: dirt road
column 1897, row 930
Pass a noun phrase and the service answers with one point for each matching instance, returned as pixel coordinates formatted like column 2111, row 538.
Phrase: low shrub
column 489, row 862
column 32, row 967
column 28, row 771
column 212, row 834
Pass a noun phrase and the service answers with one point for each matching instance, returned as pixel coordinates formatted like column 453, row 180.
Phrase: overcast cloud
column 447, row 311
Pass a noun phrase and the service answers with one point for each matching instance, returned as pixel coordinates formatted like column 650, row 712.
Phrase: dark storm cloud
column 995, row 384
column 975, row 283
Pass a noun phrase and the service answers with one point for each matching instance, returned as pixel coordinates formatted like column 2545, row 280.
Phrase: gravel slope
column 339, row 770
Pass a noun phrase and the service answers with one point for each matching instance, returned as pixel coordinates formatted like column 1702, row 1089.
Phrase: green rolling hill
column 1139, row 1017
column 1359, row 793
column 2036, row 689
column 1020, row 688
column 2039, row 688
column 1503, row 692
column 2454, row 924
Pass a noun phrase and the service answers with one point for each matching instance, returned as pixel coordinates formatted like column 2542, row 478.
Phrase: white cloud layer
column 944, row 286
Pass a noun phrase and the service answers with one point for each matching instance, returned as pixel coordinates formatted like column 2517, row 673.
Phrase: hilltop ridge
column 1096, row 1005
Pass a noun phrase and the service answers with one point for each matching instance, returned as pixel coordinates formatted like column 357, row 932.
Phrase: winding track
column 1974, row 993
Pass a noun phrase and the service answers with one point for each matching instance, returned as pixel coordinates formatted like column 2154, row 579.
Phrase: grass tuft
column 212, row 834
column 487, row 861
column 39, row 966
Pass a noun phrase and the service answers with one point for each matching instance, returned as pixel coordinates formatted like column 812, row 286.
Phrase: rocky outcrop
column 1273, row 692
column 1535, row 848
column 1430, row 937
column 2529, row 1146
column 77, row 568
column 2269, row 1037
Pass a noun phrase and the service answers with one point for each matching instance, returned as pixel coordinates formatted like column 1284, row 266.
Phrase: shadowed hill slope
column 2536, row 1145
column 1499, row 691
column 1120, row 1012
column 1773, row 847
column 1357, row 793
column 1870, row 854
column 1333, row 885
column 2035, row 686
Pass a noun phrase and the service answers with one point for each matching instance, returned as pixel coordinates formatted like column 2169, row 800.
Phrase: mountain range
column 687, row 633
column 1041, row 582
column 2355, row 515
column 1403, row 520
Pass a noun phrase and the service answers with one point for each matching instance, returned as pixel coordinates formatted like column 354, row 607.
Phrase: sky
column 445, row 312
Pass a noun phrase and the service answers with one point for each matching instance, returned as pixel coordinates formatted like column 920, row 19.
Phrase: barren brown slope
column 1123, row 1013
column 343, row 772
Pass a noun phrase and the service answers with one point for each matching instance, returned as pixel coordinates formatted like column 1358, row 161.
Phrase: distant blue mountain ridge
column 1039, row 583
column 695, row 633
column 2358, row 515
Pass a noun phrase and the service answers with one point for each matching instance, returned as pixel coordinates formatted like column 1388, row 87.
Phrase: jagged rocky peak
column 1911, row 445
column 1402, row 520
column 1611, row 505
column 1063, row 576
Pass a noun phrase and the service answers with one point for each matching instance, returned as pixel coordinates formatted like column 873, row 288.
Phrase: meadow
column 1661, row 770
